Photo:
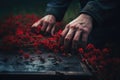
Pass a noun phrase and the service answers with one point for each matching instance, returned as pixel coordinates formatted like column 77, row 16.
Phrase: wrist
column 86, row 16
column 50, row 15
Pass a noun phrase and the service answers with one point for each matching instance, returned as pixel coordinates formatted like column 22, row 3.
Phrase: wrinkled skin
column 75, row 33
column 47, row 23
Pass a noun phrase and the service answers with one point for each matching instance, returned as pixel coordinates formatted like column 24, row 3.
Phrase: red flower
column 81, row 50
column 106, row 50
column 38, row 52
column 86, row 55
column 35, row 44
column 26, row 55
column 97, row 51
column 92, row 60
column 19, row 32
column 83, row 59
column 21, row 51
column 90, row 46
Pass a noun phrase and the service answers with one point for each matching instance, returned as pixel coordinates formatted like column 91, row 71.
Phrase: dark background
column 37, row 7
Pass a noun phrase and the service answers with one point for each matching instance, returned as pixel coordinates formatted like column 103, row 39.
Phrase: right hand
column 47, row 23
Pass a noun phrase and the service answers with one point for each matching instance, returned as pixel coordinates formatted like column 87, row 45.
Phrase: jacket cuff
column 56, row 13
column 93, row 10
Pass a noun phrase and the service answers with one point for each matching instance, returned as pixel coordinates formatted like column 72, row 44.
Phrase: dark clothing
column 100, row 10
column 105, row 14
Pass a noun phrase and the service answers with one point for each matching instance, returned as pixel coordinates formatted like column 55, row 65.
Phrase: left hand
column 76, row 32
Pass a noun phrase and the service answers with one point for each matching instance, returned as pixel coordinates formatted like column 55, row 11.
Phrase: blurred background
column 37, row 7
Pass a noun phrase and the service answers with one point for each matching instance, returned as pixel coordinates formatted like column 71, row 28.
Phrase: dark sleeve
column 100, row 10
column 57, row 8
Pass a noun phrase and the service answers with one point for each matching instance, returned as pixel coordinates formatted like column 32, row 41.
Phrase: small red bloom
column 90, row 46
column 86, row 55
column 26, row 55
column 92, row 60
column 83, row 59
column 81, row 51
column 21, row 51
column 106, row 50
column 19, row 32
column 97, row 51
column 35, row 44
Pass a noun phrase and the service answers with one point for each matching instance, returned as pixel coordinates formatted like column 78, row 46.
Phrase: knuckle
column 62, row 34
column 50, row 23
column 80, row 28
column 45, row 21
column 86, row 29
column 67, row 26
column 72, row 27
column 67, row 38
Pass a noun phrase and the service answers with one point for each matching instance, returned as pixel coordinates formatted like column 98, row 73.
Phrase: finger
column 53, row 30
column 36, row 24
column 44, row 26
column 49, row 28
column 63, row 34
column 68, row 37
column 76, row 39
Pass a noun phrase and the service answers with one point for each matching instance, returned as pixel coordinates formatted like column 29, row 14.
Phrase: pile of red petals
column 16, row 32
column 100, row 61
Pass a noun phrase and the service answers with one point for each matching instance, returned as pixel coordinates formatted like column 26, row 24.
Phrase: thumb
column 37, row 23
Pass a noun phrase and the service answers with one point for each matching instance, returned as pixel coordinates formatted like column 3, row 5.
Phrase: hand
column 76, row 32
column 47, row 23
